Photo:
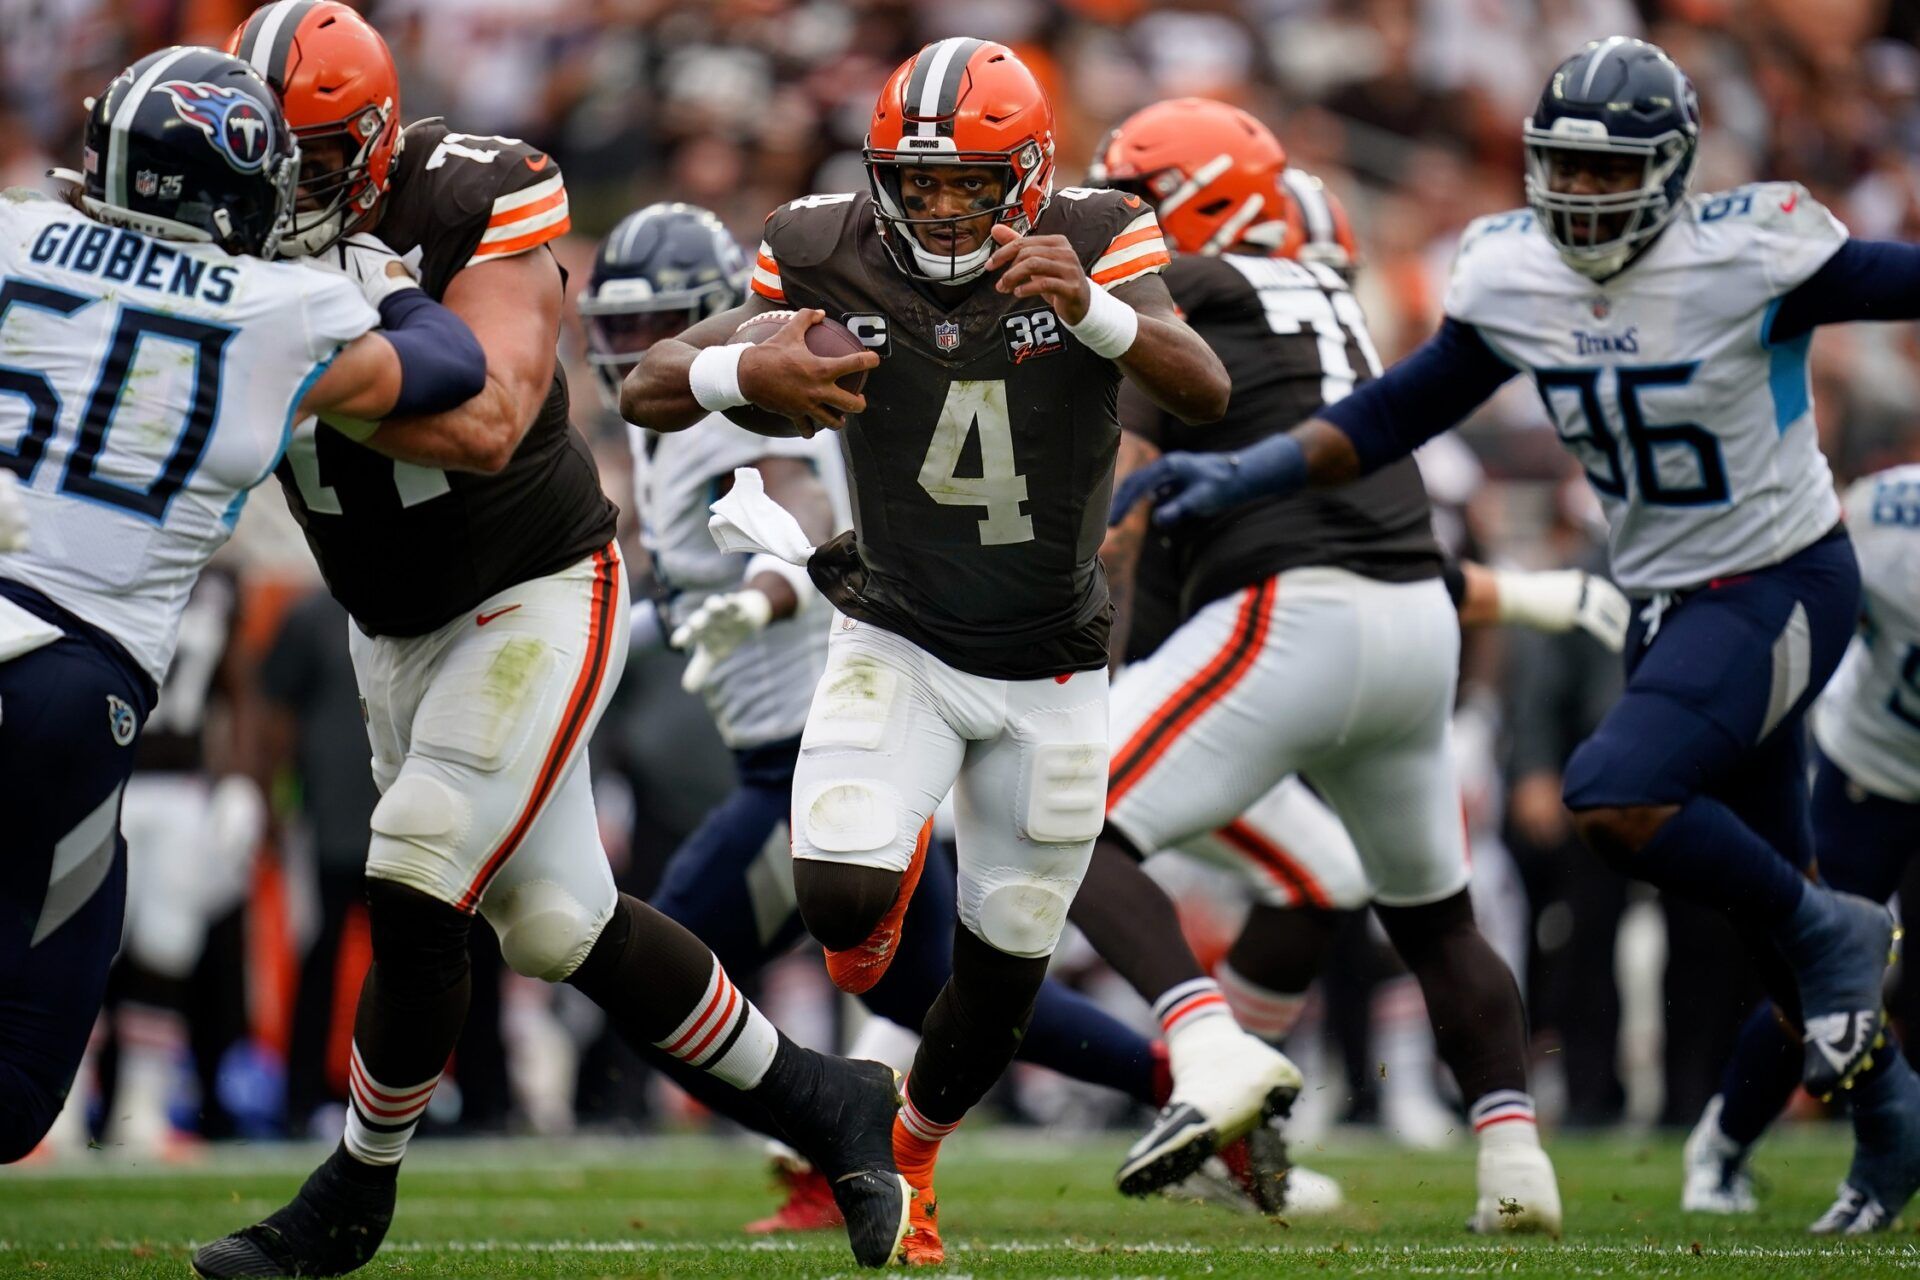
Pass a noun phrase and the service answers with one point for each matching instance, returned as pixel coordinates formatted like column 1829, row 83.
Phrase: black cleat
column 333, row 1225
column 845, row 1130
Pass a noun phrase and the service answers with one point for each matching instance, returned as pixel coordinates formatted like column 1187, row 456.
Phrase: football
column 828, row 338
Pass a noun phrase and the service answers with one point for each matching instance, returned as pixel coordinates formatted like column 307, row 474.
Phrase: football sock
column 841, row 904
column 916, row 1139
column 1272, row 962
column 412, row 1006
column 1760, row 1076
column 1706, row 853
column 661, row 986
column 153, row 1042
column 973, row 1028
column 1130, row 921
column 1479, row 1024
column 1504, row 1118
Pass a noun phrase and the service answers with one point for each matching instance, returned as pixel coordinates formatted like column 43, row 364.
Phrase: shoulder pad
column 467, row 172
column 805, row 232
column 1484, row 259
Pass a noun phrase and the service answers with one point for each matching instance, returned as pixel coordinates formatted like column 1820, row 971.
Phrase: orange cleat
column 856, row 969
column 809, row 1204
column 915, row 1158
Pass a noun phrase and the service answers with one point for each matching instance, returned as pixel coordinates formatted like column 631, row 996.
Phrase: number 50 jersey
column 981, row 469
column 145, row 386
column 1695, row 428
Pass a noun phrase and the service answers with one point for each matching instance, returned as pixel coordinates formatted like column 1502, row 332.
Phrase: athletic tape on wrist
column 714, row 377
column 1110, row 325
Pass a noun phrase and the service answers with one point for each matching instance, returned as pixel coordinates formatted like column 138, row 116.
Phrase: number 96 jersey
column 1695, row 428
column 982, row 467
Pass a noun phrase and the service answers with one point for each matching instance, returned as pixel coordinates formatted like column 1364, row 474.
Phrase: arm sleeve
column 1863, row 280
column 1426, row 393
column 442, row 365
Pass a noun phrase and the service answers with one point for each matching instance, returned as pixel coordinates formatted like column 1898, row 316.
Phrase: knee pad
column 1022, row 919
column 419, row 941
column 859, row 819
column 545, row 932
column 418, row 815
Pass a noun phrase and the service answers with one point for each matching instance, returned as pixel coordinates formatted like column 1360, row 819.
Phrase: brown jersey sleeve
column 474, row 199
column 1117, row 236
column 800, row 234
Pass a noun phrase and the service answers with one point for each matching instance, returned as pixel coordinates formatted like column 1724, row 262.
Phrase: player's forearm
column 1177, row 370
column 658, row 392
column 1430, row 391
column 481, row 435
column 782, row 599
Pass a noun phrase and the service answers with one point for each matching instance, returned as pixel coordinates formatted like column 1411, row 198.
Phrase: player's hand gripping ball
column 805, row 372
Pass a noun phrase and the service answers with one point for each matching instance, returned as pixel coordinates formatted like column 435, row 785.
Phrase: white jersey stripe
column 530, row 195
column 525, row 226
column 270, row 24
column 1145, row 248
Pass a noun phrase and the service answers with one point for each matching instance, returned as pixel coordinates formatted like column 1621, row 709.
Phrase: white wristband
column 795, row 575
column 1110, row 325
column 714, row 377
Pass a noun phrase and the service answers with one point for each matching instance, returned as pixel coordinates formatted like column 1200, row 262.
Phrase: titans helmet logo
column 232, row 121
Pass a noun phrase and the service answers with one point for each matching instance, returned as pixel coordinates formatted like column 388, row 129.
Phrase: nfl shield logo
column 146, row 182
column 1601, row 308
column 946, row 334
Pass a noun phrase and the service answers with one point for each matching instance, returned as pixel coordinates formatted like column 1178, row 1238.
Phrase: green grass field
column 1015, row 1205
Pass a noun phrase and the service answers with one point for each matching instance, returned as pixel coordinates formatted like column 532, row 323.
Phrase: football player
column 1866, row 829
column 759, row 638
column 1668, row 336
column 970, row 650
column 1317, row 637
column 154, row 364
column 490, row 627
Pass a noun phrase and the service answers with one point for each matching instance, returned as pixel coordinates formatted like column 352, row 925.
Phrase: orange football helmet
column 1318, row 229
column 959, row 101
column 336, row 83
column 1210, row 170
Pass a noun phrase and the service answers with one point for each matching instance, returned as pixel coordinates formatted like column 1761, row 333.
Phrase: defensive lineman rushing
column 757, row 633
column 1318, row 638
column 155, row 364
column 1668, row 336
column 1866, row 830
column 970, row 653
column 485, row 654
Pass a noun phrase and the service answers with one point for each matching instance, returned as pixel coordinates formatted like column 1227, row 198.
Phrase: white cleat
column 1224, row 1083
column 1717, row 1178
column 1518, row 1192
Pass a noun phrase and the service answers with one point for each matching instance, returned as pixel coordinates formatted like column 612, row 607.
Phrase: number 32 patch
column 1032, row 333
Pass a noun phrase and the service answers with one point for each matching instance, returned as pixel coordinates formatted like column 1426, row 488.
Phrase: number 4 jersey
column 981, row 469
column 1695, row 428
column 407, row 548
column 145, row 386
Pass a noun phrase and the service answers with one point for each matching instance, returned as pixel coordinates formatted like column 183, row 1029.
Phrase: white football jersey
column 153, row 384
column 1868, row 719
column 1695, row 430
column 761, row 691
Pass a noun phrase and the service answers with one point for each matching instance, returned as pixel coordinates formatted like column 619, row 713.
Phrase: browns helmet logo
column 232, row 121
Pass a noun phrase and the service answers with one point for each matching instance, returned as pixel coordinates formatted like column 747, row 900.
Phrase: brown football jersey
column 1293, row 338
column 982, row 467
column 406, row 548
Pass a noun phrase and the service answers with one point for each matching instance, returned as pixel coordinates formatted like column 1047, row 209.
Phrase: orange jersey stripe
column 520, row 244
column 766, row 264
column 1132, row 238
column 1275, row 859
column 767, row 291
column 1127, row 270
column 552, row 201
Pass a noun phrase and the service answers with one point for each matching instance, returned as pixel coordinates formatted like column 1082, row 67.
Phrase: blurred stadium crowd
column 234, row 1001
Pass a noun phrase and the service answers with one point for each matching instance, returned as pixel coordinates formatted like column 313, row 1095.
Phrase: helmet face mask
column 945, row 248
column 336, row 196
column 1610, row 151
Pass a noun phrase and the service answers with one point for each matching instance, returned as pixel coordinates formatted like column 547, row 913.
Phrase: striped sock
column 1505, row 1116
column 1189, row 1004
column 724, row 1035
column 1264, row 1012
column 381, row 1118
column 917, row 1139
